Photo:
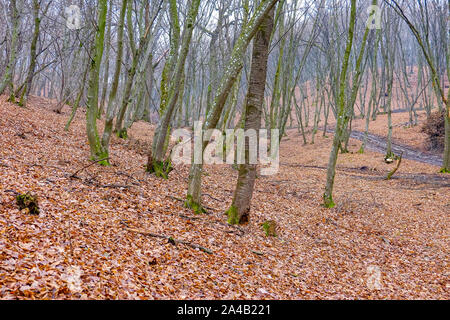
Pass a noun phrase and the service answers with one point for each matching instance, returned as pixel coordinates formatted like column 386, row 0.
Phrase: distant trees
column 25, row 88
column 422, row 36
column 172, row 63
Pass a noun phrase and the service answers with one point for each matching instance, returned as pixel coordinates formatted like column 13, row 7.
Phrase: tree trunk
column 31, row 69
column 240, row 209
column 106, row 72
column 342, row 113
column 77, row 101
column 8, row 78
column 97, row 151
column 161, row 134
column 231, row 73
column 112, row 94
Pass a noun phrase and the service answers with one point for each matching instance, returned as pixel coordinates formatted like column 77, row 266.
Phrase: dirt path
column 378, row 144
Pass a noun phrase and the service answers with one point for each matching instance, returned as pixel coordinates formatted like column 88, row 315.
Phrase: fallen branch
column 15, row 193
column 114, row 186
column 170, row 239
column 129, row 176
column 210, row 196
column 236, row 229
column 90, row 182
column 188, row 218
column 90, row 165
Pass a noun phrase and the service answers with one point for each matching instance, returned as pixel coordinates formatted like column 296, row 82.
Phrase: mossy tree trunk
column 97, row 150
column 8, row 78
column 169, row 66
column 29, row 79
column 157, row 154
column 346, row 103
column 240, row 209
column 115, row 84
column 232, row 71
column 342, row 113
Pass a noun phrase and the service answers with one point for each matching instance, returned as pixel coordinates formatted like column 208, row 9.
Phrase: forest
column 224, row 149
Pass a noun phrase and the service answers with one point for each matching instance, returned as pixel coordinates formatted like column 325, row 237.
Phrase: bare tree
column 240, row 209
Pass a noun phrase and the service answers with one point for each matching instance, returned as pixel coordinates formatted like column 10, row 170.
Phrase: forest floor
column 92, row 239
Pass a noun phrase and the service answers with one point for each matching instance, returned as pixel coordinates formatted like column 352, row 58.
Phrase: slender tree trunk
column 106, row 72
column 446, row 164
column 97, row 150
column 239, row 212
column 113, row 92
column 156, row 155
column 78, row 99
column 120, row 130
column 8, row 77
column 31, row 69
column 373, row 94
column 231, row 73
column 342, row 113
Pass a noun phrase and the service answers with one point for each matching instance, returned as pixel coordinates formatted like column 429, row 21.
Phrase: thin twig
column 172, row 240
column 90, row 165
column 208, row 195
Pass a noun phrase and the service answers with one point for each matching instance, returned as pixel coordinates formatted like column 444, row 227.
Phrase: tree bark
column 113, row 92
column 161, row 134
column 97, row 150
column 231, row 73
column 8, row 78
column 342, row 113
column 239, row 212
column 31, row 69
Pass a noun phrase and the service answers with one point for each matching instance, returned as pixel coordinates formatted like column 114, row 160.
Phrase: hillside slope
column 91, row 239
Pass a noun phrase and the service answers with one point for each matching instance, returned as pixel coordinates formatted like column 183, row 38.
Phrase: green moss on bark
column 161, row 169
column 328, row 202
column 233, row 216
column 196, row 207
column 122, row 134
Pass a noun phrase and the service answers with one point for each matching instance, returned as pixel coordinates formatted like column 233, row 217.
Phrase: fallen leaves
column 81, row 247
